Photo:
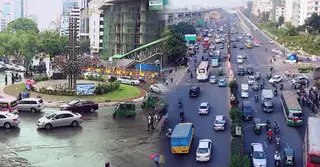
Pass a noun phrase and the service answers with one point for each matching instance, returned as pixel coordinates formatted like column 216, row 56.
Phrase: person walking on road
column 12, row 78
column 150, row 122
column 6, row 79
column 171, row 79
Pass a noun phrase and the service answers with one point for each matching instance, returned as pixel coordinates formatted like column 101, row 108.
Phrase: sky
column 211, row 3
column 45, row 10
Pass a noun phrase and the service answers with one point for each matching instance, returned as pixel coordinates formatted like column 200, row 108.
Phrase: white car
column 275, row 79
column 19, row 68
column 204, row 150
column 271, row 41
column 204, row 108
column 256, row 44
column 213, row 79
column 86, row 74
column 219, row 122
column 9, row 120
column 159, row 88
column 128, row 81
column 251, row 80
column 239, row 59
column 10, row 66
column 60, row 118
column 258, row 155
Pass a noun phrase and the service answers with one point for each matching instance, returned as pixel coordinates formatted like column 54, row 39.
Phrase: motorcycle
column 270, row 138
column 180, row 104
column 256, row 98
column 277, row 163
column 281, row 87
column 275, row 93
column 268, row 126
column 277, row 144
column 169, row 133
column 277, row 130
column 181, row 118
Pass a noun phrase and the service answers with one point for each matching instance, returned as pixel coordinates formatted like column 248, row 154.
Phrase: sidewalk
column 10, row 159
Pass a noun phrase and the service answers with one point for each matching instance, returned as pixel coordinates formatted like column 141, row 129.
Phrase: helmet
column 269, row 129
column 277, row 152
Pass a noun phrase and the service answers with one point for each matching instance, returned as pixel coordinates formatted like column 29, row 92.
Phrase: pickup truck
column 244, row 91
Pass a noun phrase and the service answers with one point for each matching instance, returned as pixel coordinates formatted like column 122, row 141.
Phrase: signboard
column 291, row 58
column 165, row 2
column 190, row 37
column 156, row 4
column 147, row 67
column 84, row 89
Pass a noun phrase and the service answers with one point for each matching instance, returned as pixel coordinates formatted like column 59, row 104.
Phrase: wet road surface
column 123, row 142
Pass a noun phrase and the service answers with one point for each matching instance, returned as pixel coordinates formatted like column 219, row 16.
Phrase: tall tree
column 84, row 46
column 52, row 43
column 22, row 24
column 175, row 46
column 312, row 23
column 183, row 28
column 280, row 20
column 265, row 16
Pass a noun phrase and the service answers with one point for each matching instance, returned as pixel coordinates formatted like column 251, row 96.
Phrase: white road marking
column 180, row 78
column 287, row 145
column 265, row 144
column 256, row 58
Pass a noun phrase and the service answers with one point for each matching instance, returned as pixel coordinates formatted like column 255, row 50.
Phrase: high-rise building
column 307, row 8
column 20, row 8
column 260, row 6
column 66, row 9
column 292, row 10
column 96, row 26
column 84, row 19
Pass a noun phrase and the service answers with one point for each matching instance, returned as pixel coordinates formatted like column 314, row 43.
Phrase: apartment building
column 260, row 6
column 307, row 8
column 84, row 19
column 280, row 11
column 292, row 12
column 96, row 26
column 67, row 6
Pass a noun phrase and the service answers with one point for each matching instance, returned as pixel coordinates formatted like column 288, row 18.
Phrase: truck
column 215, row 59
column 181, row 138
column 206, row 43
column 266, row 100
column 244, row 91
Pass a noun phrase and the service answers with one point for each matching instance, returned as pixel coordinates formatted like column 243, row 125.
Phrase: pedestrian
column 164, row 80
column 6, row 79
column 156, row 119
column 167, row 82
column 171, row 79
column 149, row 122
column 12, row 78
column 157, row 164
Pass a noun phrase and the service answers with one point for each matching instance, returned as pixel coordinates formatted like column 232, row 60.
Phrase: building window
column 94, row 23
column 316, row 3
column 94, row 30
column 315, row 8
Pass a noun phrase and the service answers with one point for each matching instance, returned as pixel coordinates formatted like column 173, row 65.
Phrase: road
column 123, row 142
column 291, row 137
column 218, row 98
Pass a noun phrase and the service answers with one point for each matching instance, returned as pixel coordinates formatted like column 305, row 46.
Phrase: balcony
column 101, row 19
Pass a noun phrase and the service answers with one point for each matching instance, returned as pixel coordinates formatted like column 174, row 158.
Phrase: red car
column 80, row 106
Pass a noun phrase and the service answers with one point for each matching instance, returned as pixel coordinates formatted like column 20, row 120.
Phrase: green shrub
column 305, row 69
column 62, row 92
column 237, row 159
column 233, row 86
column 96, row 78
column 40, row 78
column 235, row 115
column 106, row 88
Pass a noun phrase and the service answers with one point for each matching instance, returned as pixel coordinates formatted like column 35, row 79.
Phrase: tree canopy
column 183, row 28
column 52, row 43
column 175, row 46
column 22, row 24
column 281, row 20
column 312, row 23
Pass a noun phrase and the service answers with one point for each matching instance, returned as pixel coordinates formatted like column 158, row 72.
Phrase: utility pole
column 73, row 52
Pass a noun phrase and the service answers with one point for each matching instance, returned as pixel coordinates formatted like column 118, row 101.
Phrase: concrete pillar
column 143, row 17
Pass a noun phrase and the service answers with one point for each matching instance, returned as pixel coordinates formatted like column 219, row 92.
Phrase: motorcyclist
column 270, row 133
column 276, row 125
column 277, row 138
column 256, row 96
column 268, row 122
column 181, row 114
column 277, row 156
column 271, row 69
column 169, row 133
column 179, row 102
column 275, row 91
column 281, row 85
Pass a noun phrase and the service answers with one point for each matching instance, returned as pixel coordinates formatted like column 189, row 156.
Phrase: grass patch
column 125, row 92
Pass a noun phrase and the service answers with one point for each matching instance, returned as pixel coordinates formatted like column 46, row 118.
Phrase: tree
column 175, row 46
column 265, row 16
column 84, row 46
column 280, row 20
column 313, row 23
column 183, row 28
column 52, row 43
column 22, row 24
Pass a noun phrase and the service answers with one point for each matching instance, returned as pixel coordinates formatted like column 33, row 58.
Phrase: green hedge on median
column 305, row 69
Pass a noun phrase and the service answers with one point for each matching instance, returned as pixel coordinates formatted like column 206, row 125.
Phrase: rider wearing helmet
column 277, row 156
column 276, row 125
column 268, row 122
column 181, row 113
column 270, row 133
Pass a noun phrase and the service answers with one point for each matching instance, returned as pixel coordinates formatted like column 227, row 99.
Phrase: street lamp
column 242, row 136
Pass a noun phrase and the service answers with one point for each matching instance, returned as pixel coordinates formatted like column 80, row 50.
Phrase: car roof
column 257, row 146
column 203, row 143
column 204, row 104
column 63, row 112
column 277, row 76
column 194, row 87
column 246, row 103
column 212, row 76
column 219, row 117
column 32, row 99
column 221, row 79
column 251, row 77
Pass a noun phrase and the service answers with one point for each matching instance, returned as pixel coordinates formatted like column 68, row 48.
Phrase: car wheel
column 92, row 110
column 74, row 123
column 7, row 125
column 114, row 115
column 120, row 82
column 151, row 90
column 133, row 115
column 132, row 83
column 33, row 110
column 48, row 126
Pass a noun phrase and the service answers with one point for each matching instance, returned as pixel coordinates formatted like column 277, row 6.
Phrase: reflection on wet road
column 122, row 141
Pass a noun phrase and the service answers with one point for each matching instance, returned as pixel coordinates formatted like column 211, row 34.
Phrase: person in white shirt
column 277, row 156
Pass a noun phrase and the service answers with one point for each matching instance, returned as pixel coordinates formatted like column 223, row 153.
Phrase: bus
column 249, row 44
column 203, row 71
column 291, row 109
column 181, row 138
column 311, row 146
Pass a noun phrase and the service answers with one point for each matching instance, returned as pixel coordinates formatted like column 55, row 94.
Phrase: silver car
column 251, row 80
column 219, row 122
column 60, row 118
column 9, row 120
column 204, row 108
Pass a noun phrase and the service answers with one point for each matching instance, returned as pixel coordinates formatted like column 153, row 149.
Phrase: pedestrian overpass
column 141, row 54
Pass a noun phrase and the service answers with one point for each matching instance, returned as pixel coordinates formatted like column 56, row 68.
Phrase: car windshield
column 71, row 103
column 203, row 107
column 247, row 109
column 275, row 77
column 203, row 150
column 213, row 77
column 51, row 116
column 251, row 78
column 259, row 155
column 219, row 122
column 221, row 80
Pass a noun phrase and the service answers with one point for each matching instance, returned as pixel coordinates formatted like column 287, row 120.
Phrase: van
column 247, row 110
column 30, row 104
column 9, row 105
column 244, row 91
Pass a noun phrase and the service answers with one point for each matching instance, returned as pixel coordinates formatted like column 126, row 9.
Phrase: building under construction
column 129, row 24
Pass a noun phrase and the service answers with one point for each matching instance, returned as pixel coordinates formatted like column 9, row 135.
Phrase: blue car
column 222, row 83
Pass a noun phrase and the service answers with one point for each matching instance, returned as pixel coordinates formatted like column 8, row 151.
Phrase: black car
column 234, row 45
column 250, row 70
column 194, row 91
column 255, row 86
column 247, row 111
column 241, row 47
column 232, row 40
column 241, row 71
column 221, row 47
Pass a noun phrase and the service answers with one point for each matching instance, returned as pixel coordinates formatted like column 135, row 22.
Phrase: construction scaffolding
column 129, row 25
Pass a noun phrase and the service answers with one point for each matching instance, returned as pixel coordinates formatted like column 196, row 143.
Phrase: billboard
column 291, row 58
column 84, row 89
column 156, row 5
column 147, row 67
column 190, row 37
